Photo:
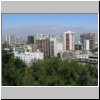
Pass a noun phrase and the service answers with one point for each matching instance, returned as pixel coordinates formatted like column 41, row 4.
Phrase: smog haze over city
column 31, row 24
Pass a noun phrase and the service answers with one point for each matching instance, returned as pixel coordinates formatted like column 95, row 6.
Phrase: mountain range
column 46, row 29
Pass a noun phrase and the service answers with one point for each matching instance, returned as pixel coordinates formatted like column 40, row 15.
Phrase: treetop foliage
column 51, row 71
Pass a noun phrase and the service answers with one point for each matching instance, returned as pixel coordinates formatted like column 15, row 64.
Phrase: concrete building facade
column 67, row 55
column 28, row 57
column 88, row 36
column 68, row 41
column 44, row 46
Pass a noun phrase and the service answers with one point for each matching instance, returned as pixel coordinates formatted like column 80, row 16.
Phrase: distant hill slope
column 46, row 29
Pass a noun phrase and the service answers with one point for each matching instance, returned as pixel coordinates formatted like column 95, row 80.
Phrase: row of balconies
column 88, row 61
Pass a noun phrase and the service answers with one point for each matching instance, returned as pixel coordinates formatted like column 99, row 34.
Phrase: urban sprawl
column 41, row 46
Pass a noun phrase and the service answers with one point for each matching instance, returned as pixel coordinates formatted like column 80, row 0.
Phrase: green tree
column 51, row 71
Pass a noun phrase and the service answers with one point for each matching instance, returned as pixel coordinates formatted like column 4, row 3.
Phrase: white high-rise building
column 68, row 40
column 87, row 45
column 10, row 39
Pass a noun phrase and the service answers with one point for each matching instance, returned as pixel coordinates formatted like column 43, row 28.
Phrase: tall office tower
column 10, row 39
column 68, row 40
column 88, row 36
column 30, row 39
column 53, row 46
column 44, row 46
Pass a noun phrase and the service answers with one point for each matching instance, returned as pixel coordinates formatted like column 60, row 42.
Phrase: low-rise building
column 28, row 57
column 93, row 60
column 82, row 58
column 68, row 54
column 87, row 59
column 18, row 49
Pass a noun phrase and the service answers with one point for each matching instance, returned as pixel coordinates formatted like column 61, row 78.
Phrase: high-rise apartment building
column 68, row 40
column 88, row 36
column 30, row 39
column 44, row 46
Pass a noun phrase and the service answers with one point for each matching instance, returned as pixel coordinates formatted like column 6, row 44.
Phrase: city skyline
column 28, row 24
column 49, row 56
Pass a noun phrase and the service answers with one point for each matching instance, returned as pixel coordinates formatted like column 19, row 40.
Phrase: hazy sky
column 31, row 24
column 67, row 20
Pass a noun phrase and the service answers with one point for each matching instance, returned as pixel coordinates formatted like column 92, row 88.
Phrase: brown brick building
column 44, row 46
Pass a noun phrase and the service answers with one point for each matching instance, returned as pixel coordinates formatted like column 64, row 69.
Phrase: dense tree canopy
column 51, row 71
